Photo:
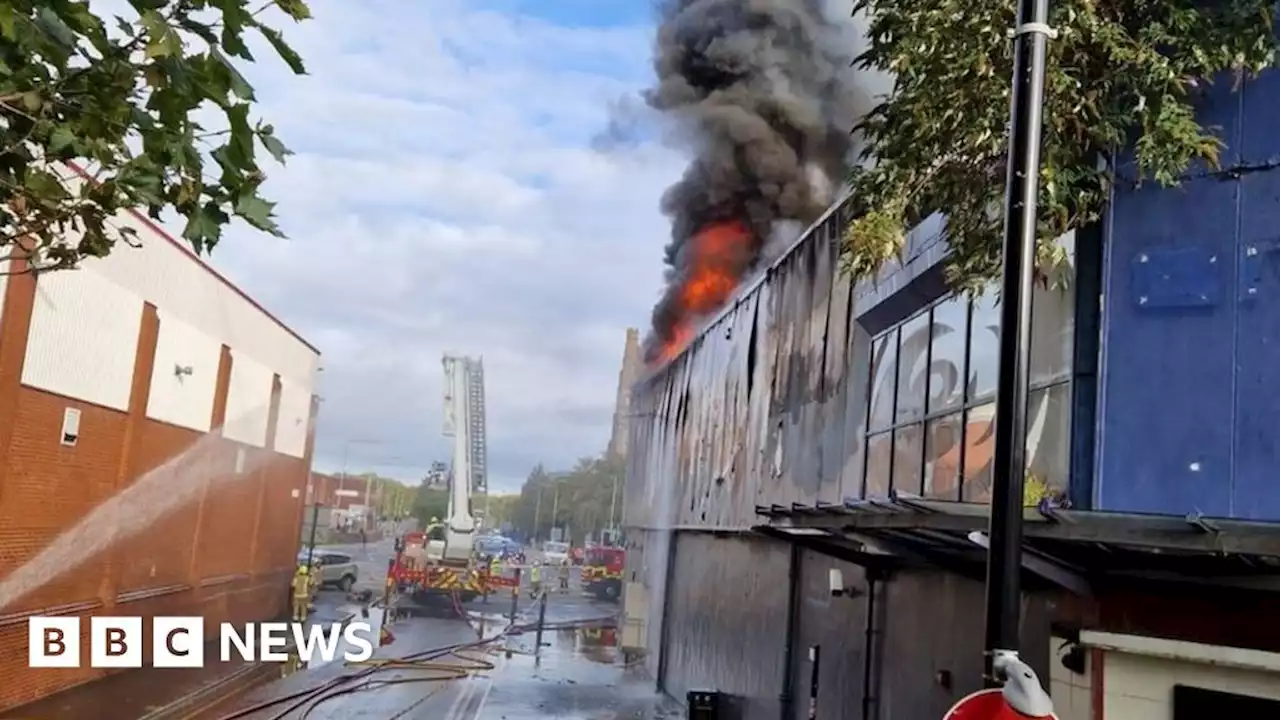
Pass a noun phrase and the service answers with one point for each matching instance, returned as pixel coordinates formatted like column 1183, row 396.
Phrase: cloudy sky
column 445, row 196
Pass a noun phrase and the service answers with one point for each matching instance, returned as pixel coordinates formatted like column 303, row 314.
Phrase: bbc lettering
column 179, row 642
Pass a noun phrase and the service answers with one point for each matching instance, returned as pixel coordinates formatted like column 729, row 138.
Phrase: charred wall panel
column 726, row 621
column 767, row 405
column 837, row 625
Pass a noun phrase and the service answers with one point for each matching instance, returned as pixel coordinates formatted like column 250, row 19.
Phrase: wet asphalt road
column 579, row 674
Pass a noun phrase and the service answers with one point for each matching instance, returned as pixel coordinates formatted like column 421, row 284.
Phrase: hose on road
column 349, row 683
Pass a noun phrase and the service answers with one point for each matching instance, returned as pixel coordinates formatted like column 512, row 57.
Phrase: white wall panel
column 167, row 274
column 295, row 411
column 248, row 400
column 84, row 336
column 1138, row 687
column 183, row 399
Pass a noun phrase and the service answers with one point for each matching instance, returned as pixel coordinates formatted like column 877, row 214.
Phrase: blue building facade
column 1190, row 374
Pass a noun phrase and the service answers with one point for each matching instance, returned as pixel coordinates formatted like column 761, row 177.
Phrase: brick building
column 158, row 410
column 339, row 493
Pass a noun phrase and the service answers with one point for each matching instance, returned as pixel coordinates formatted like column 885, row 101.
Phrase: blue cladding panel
column 1167, row 389
column 1191, row 378
column 1257, row 480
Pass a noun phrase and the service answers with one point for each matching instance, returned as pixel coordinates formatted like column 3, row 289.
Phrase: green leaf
column 204, row 227
column 49, row 21
column 199, row 29
column 162, row 39
column 277, row 149
column 43, row 186
column 286, row 53
column 61, row 139
column 239, row 86
column 257, row 212
column 8, row 22
column 296, row 9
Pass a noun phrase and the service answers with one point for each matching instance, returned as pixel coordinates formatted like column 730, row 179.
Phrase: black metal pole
column 515, row 606
column 1004, row 558
column 311, row 543
column 542, row 619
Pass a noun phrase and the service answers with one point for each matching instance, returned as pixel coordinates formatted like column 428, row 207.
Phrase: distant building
column 632, row 364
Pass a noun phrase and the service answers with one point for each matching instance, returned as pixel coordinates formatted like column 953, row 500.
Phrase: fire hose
column 427, row 660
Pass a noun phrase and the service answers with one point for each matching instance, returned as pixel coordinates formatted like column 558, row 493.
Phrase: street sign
column 986, row 705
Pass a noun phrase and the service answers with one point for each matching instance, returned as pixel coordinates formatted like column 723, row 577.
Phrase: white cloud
column 444, row 197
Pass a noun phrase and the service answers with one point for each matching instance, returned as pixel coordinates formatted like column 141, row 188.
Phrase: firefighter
column 564, row 576
column 435, row 529
column 535, row 578
column 316, row 575
column 301, row 594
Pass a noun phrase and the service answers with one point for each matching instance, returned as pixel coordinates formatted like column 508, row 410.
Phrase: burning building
column 810, row 464
column 762, row 96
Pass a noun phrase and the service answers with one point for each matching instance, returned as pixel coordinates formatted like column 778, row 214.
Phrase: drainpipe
column 869, row 643
column 786, row 699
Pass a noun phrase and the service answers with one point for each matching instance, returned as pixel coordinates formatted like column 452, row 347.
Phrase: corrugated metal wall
column 727, row 620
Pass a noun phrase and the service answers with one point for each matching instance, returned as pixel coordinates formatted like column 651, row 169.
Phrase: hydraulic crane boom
column 460, row 526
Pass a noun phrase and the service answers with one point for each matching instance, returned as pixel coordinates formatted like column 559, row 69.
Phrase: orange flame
column 718, row 253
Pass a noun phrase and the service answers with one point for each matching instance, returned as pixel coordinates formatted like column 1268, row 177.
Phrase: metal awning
column 1069, row 548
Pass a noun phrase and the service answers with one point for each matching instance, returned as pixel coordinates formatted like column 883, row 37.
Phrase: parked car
column 555, row 553
column 336, row 569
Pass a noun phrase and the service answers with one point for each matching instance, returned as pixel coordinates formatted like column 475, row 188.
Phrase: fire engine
column 602, row 573
column 441, row 562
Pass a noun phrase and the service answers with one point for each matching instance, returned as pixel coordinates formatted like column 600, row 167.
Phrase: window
column 913, row 364
column 884, row 374
column 930, row 411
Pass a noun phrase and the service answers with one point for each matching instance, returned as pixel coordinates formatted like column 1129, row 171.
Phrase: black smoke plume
column 763, row 96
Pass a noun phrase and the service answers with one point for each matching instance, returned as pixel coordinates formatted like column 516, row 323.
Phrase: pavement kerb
column 222, row 689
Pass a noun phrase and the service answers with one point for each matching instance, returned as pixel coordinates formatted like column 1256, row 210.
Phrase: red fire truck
column 602, row 573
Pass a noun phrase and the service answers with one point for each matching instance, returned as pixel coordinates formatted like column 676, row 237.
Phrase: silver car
column 336, row 569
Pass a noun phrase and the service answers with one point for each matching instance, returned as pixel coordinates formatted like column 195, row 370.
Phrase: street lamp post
column 1004, row 557
column 613, row 503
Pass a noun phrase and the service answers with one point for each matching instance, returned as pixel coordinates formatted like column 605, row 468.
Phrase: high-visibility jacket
column 535, row 573
column 301, row 584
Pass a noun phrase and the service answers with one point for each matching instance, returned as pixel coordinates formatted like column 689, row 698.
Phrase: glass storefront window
column 942, row 458
column 1049, row 438
column 933, row 379
column 913, row 358
column 1053, row 322
column 984, row 347
column 979, row 449
column 946, row 362
column 879, row 461
column 907, row 456
column 884, row 366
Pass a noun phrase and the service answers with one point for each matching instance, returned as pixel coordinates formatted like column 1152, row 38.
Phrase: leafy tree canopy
column 121, row 97
column 1122, row 73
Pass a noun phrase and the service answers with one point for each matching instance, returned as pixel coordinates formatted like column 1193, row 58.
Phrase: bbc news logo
column 179, row 642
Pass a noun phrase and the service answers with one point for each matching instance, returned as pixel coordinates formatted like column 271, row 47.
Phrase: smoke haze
column 763, row 98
